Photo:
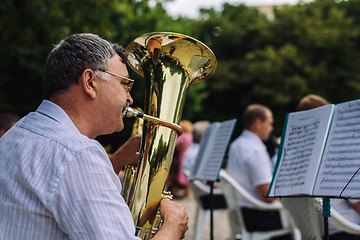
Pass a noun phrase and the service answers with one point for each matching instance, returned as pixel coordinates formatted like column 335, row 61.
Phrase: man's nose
column 130, row 99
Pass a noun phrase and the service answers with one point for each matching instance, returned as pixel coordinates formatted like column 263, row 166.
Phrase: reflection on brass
column 169, row 63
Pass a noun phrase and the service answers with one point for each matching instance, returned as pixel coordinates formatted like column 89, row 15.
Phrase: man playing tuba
column 56, row 181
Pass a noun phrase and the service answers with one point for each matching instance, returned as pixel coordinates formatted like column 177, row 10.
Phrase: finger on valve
column 174, row 213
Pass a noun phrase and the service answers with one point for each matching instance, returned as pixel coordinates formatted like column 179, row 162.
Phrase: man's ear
column 2, row 132
column 257, row 123
column 87, row 81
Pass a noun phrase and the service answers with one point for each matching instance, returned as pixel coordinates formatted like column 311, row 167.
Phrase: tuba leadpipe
column 169, row 63
column 130, row 112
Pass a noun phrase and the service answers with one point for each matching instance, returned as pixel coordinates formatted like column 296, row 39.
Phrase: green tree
column 30, row 29
column 307, row 48
column 231, row 34
column 314, row 50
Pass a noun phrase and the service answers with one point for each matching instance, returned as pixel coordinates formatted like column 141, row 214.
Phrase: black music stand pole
column 326, row 215
column 212, row 205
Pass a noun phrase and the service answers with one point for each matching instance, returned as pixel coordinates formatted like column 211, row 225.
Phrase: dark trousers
column 344, row 236
column 256, row 220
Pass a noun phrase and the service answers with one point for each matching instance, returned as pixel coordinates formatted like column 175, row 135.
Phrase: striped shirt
column 56, row 183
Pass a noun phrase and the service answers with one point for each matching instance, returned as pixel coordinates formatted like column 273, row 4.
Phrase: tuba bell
column 169, row 63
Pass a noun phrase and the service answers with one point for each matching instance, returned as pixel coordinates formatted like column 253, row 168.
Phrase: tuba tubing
column 169, row 63
column 130, row 112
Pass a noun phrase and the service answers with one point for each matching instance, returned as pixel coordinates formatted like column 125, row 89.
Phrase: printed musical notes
column 338, row 175
column 301, row 150
column 320, row 153
column 212, row 150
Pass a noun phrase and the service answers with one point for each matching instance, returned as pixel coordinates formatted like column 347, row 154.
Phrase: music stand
column 326, row 214
column 211, row 154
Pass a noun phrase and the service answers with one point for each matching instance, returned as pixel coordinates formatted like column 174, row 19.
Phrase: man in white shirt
column 249, row 164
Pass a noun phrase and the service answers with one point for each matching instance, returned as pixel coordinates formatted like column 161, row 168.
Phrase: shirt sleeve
column 260, row 169
column 88, row 202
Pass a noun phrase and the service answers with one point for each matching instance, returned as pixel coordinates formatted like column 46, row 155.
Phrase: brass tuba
column 169, row 63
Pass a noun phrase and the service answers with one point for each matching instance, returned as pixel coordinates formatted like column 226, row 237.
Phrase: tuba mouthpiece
column 130, row 112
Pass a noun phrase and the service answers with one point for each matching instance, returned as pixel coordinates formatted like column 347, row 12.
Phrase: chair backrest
column 237, row 224
column 202, row 196
column 341, row 222
column 256, row 203
column 305, row 215
column 344, row 223
column 230, row 189
column 201, row 192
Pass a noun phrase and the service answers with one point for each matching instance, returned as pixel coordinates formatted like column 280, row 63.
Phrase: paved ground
column 221, row 228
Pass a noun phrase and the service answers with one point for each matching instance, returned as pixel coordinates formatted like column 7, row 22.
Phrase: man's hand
column 127, row 154
column 175, row 221
column 262, row 192
column 356, row 206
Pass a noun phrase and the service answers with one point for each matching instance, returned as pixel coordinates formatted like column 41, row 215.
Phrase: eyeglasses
column 127, row 85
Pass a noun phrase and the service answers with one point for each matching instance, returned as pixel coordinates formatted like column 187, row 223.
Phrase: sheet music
column 339, row 170
column 212, row 150
column 204, row 142
column 302, row 150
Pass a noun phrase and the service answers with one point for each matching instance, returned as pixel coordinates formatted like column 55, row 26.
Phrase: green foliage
column 30, row 29
column 231, row 34
column 306, row 48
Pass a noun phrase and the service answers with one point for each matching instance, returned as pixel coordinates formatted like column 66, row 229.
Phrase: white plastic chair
column 230, row 188
column 201, row 192
column 305, row 212
column 344, row 224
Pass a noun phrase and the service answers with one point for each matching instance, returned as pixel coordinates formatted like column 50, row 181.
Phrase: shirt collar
column 56, row 113
column 252, row 136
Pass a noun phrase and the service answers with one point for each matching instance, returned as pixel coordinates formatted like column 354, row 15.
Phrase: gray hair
column 67, row 61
